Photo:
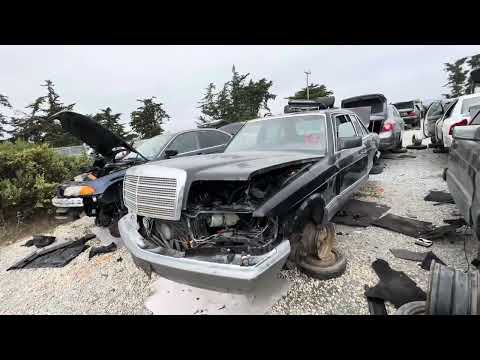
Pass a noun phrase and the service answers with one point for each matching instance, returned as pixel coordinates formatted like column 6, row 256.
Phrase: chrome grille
column 156, row 197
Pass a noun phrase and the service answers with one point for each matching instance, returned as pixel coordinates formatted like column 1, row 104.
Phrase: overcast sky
column 94, row 77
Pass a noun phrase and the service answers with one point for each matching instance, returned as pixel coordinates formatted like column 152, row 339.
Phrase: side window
column 358, row 127
column 449, row 110
column 212, row 138
column 435, row 109
column 395, row 112
column 344, row 126
column 184, row 143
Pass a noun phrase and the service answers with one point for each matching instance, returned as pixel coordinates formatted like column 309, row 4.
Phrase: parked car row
column 443, row 116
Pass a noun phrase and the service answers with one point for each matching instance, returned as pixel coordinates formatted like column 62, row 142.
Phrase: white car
column 457, row 114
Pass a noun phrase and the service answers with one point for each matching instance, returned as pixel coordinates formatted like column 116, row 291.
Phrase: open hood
column 102, row 140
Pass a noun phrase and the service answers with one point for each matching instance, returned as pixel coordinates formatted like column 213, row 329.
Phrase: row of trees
column 34, row 124
column 459, row 75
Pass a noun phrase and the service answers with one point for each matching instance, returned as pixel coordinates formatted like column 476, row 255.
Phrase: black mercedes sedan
column 226, row 221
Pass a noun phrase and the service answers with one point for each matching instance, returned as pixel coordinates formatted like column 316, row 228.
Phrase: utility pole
column 308, row 92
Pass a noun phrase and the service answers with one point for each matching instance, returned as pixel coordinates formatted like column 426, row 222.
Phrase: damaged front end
column 216, row 240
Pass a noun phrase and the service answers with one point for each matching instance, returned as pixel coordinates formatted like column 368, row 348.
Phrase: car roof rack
column 300, row 105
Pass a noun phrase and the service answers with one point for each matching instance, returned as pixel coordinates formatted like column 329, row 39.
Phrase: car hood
column 102, row 140
column 226, row 166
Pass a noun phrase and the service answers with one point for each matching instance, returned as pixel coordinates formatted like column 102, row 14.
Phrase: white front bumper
column 67, row 202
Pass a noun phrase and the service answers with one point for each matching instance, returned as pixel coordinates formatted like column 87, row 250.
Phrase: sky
column 98, row 76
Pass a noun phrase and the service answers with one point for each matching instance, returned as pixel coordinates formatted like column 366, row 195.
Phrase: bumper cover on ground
column 205, row 274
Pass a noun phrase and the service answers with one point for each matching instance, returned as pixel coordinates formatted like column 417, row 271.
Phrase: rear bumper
column 387, row 140
column 201, row 273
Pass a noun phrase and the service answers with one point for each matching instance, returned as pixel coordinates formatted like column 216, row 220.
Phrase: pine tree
column 111, row 121
column 314, row 91
column 456, row 78
column 36, row 125
column 148, row 119
column 237, row 101
column 474, row 63
column 3, row 119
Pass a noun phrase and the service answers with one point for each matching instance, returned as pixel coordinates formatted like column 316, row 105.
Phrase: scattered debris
column 40, row 241
column 375, row 306
column 476, row 262
column 459, row 221
column 403, row 225
column 427, row 262
column 399, row 151
column 119, row 259
column 398, row 157
column 409, row 255
column 416, row 147
column 441, row 197
column 57, row 255
column 441, row 231
column 424, row 242
column 394, row 286
column 102, row 249
column 360, row 213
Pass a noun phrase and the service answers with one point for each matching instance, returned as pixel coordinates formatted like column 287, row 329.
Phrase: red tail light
column 412, row 113
column 462, row 122
column 387, row 126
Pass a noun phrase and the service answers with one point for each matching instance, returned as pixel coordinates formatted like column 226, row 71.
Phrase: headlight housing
column 82, row 190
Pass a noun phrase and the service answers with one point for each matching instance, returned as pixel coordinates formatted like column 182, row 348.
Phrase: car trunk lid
column 377, row 104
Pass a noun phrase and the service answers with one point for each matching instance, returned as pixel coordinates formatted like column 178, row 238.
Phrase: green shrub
column 29, row 176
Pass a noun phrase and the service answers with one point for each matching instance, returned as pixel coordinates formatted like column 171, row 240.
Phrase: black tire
column 307, row 266
column 412, row 308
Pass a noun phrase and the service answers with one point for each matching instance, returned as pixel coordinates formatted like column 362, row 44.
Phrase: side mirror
column 468, row 132
column 170, row 153
column 349, row 142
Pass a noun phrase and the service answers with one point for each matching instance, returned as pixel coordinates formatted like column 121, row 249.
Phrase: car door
column 400, row 125
column 212, row 141
column 185, row 144
column 368, row 139
column 444, row 120
column 434, row 112
column 462, row 173
column 352, row 163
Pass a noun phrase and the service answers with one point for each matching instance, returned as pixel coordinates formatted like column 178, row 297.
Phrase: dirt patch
column 11, row 232
column 371, row 189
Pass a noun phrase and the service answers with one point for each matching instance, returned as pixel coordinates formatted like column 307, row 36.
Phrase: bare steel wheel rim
column 317, row 244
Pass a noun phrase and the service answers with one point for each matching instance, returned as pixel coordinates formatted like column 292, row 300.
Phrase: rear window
column 376, row 105
column 404, row 105
column 467, row 103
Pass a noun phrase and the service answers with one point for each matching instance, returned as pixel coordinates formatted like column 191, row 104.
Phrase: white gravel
column 104, row 285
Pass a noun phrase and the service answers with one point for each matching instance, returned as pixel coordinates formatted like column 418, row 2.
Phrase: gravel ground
column 104, row 285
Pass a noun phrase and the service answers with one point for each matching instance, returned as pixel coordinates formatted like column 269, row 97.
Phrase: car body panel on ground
column 236, row 215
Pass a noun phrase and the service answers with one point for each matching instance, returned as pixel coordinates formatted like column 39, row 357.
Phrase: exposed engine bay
column 219, row 219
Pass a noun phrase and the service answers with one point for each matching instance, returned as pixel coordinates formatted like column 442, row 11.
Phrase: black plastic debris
column 57, row 255
column 398, row 157
column 439, row 197
column 102, row 249
column 375, row 306
column 476, row 262
column 394, row 286
column 411, row 227
column 40, row 241
column 426, row 263
column 459, row 221
column 425, row 258
column 440, row 232
column 416, row 147
column 360, row 213
column 409, row 255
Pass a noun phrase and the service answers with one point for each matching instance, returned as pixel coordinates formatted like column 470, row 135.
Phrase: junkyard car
column 99, row 191
column 463, row 172
column 410, row 111
column 385, row 119
column 458, row 114
column 226, row 221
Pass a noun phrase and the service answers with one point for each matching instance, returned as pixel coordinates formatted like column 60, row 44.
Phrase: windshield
column 293, row 133
column 150, row 147
column 404, row 105
column 467, row 103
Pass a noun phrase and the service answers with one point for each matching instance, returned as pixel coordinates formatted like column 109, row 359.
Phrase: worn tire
column 306, row 265
column 412, row 308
